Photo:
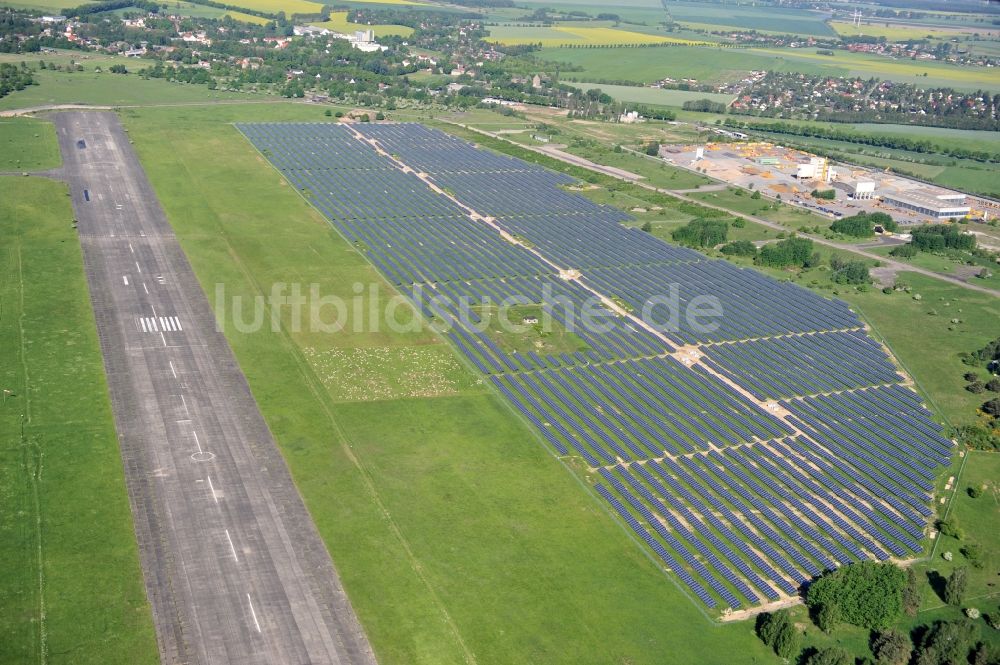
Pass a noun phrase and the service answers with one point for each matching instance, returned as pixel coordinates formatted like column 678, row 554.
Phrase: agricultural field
column 71, row 589
column 381, row 476
column 635, row 12
column 715, row 64
column 897, row 31
column 763, row 18
column 576, row 35
column 338, row 23
column 28, row 145
column 274, row 6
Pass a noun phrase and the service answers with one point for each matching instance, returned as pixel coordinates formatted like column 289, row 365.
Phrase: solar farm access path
column 234, row 568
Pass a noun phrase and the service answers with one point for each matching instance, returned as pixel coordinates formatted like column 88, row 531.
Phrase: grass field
column 248, row 18
column 458, row 537
column 90, row 87
column 338, row 22
column 714, row 64
column 659, row 96
column 71, row 588
column 28, row 145
column 569, row 34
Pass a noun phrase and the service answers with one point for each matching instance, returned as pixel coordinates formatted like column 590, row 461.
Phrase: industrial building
column 949, row 205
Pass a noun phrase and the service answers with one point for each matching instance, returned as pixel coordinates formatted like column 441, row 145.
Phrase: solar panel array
column 785, row 444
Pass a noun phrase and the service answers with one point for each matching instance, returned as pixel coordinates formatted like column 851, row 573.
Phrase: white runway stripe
column 152, row 324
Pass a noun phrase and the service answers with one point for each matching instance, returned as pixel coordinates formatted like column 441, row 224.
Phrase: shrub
column 976, row 387
column 949, row 527
column 975, row 492
column 956, row 586
column 777, row 631
column 852, row 272
column 827, row 194
column 892, row 648
column 904, row 251
column 830, row 656
column 973, row 552
column 992, row 407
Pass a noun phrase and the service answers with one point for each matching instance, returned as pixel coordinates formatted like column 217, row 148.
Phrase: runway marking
column 142, row 322
column 253, row 613
column 214, row 496
column 172, row 370
column 233, row 550
column 125, row 279
column 185, row 405
column 144, row 288
column 137, row 266
column 131, row 249
column 163, row 338
column 197, row 442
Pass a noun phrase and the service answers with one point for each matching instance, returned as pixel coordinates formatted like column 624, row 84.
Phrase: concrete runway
column 233, row 565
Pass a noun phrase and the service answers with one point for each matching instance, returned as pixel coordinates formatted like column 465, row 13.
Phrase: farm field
column 636, row 13
column 338, row 23
column 659, row 96
column 437, row 510
column 766, row 18
column 714, row 64
column 71, row 589
column 248, row 18
column 569, row 34
column 274, row 6
column 28, row 145
column 896, row 31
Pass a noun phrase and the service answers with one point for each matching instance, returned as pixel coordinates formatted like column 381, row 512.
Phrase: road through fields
column 234, row 568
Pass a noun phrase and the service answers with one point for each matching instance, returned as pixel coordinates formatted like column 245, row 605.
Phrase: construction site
column 825, row 187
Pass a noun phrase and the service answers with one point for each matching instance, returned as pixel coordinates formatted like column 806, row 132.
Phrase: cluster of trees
column 938, row 237
column 14, row 77
column 865, row 594
column 862, row 225
column 702, row 233
column 881, row 141
column 792, row 252
column 828, row 194
column 777, row 631
column 739, row 248
column 874, row 596
column 704, row 105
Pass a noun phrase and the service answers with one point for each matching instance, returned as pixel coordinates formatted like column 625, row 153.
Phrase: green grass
column 739, row 200
column 71, row 590
column 977, row 520
column 28, row 145
column 105, row 88
column 454, row 530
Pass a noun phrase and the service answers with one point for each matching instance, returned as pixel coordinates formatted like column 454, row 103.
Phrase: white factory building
column 939, row 204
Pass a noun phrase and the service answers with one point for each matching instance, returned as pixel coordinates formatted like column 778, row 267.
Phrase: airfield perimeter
column 233, row 566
